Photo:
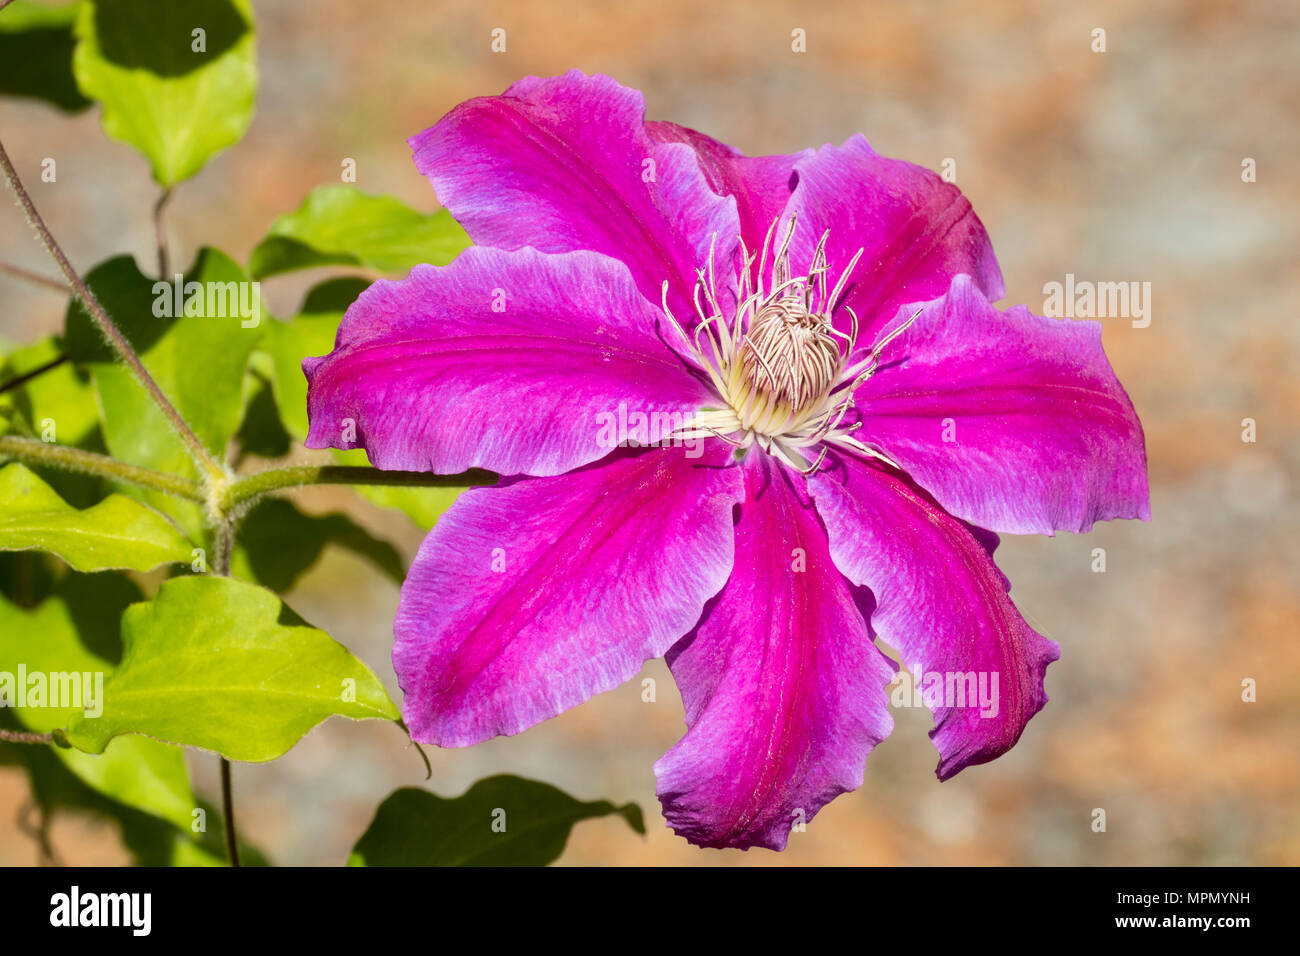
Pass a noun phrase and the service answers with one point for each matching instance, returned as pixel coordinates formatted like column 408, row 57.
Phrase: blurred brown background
column 1117, row 166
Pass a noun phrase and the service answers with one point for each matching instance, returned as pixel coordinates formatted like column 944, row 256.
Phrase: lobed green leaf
column 500, row 821
column 176, row 104
column 118, row 532
column 340, row 225
column 224, row 665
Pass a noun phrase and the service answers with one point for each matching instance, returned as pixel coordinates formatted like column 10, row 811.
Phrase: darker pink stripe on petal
column 565, row 162
column 1013, row 421
column 528, row 598
column 517, row 362
column 941, row 602
column 782, row 685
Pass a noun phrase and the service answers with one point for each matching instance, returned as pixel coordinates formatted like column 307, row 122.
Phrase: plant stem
column 35, row 278
column 224, row 543
column 207, row 464
column 19, row 380
column 274, row 479
column 37, row 452
column 160, row 233
column 25, row 737
column 228, row 814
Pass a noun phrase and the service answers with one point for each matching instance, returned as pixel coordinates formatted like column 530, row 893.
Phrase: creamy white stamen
column 778, row 364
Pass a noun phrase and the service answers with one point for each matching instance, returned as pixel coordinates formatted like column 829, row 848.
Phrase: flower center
column 778, row 363
column 790, row 354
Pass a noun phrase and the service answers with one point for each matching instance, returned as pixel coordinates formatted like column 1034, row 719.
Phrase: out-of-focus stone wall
column 1116, row 166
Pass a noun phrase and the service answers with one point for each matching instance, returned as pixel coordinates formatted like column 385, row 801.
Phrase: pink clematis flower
column 852, row 424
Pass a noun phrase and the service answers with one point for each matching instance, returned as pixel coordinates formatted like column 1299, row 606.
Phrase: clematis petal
column 1014, row 422
column 563, row 163
column 530, row 597
column 513, row 361
column 782, row 685
column 761, row 184
column 941, row 603
column 915, row 230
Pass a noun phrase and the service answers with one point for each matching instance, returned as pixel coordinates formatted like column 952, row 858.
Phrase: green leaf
column 65, row 649
column 128, row 296
column 150, row 840
column 175, row 104
column 340, row 225
column 278, row 543
column 416, row 828
column 262, row 433
column 59, row 404
column 309, row 333
column 223, row 665
column 198, row 359
column 116, row 533
column 199, row 363
column 36, row 45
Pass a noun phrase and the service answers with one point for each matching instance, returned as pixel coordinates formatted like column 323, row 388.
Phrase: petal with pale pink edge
column 1014, row 422
column 761, row 184
column 916, row 232
column 519, row 362
column 528, row 598
column 564, row 162
column 941, row 602
column 783, row 688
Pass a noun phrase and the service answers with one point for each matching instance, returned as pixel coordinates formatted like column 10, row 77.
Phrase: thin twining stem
column 35, row 278
column 18, row 381
column 207, row 464
column 160, row 235
column 36, row 452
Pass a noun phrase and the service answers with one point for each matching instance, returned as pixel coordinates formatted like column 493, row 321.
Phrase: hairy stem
column 36, row 452
column 259, row 483
column 25, row 737
column 224, row 532
column 35, row 278
column 207, row 464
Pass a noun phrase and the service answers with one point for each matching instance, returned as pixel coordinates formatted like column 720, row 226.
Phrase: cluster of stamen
column 786, row 374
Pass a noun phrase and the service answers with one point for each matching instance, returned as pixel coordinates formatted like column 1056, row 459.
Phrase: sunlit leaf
column 66, row 648
column 223, row 665
column 340, row 225
column 500, row 821
column 198, row 359
column 118, row 532
column 58, row 404
column 177, row 80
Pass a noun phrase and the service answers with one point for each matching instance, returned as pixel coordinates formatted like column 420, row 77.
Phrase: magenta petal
column 1013, row 422
column 941, row 602
column 528, row 598
column 762, row 185
column 915, row 230
column 434, row 378
column 782, row 685
column 563, row 163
